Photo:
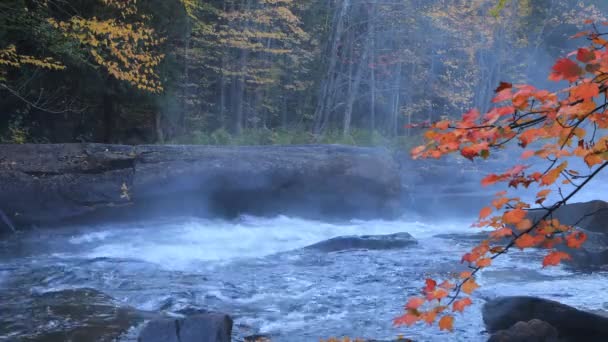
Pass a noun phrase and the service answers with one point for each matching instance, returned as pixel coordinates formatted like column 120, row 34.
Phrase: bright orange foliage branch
column 556, row 126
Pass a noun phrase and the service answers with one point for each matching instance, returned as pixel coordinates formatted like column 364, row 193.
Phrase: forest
column 250, row 72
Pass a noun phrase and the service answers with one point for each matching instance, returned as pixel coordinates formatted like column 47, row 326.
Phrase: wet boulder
column 56, row 183
column 591, row 216
column 572, row 324
column 532, row 331
column 211, row 327
column 365, row 242
column 74, row 315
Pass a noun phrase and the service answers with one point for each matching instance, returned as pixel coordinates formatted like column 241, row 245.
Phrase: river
column 256, row 270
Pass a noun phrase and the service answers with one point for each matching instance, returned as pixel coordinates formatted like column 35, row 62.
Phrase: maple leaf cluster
column 552, row 126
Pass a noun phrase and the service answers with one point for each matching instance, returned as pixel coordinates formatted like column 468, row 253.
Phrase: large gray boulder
column 571, row 324
column 212, row 327
column 591, row 216
column 41, row 184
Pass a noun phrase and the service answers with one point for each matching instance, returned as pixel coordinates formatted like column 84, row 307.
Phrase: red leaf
column 565, row 69
column 585, row 55
column 503, row 86
column 554, row 258
column 586, row 91
column 576, row 239
column 430, row 285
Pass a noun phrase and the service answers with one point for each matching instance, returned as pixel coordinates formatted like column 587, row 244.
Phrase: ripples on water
column 255, row 270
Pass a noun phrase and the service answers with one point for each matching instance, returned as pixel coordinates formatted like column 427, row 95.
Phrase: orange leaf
column 525, row 241
column 438, row 294
column 585, row 91
column 442, row 125
column 485, row 262
column 500, row 233
column 430, row 285
column 552, row 175
column 429, row 317
column 576, row 239
column 500, row 202
column 524, row 224
column 554, row 258
column 485, row 212
column 461, row 304
column 527, row 154
column 414, row 303
column 465, row 275
column 446, row 323
column 407, row 319
column 514, row 216
column 543, row 193
column 469, row 286
column 490, row 179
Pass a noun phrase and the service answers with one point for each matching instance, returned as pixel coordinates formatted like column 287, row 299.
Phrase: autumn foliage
column 557, row 126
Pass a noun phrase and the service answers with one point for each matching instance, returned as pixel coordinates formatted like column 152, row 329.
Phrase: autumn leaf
column 500, row 233
column 446, row 323
column 485, row 262
column 485, row 212
column 407, row 319
column 543, row 193
column 527, row 154
column 414, row 303
column 585, row 91
column 525, row 241
column 585, row 55
column 469, row 286
column 524, row 224
column 430, row 285
column 465, row 275
column 490, row 179
column 552, row 175
column 576, row 239
column 554, row 258
column 514, row 216
column 461, row 304
column 565, row 69
column 503, row 86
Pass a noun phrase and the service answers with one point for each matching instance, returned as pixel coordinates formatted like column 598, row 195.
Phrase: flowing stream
column 256, row 270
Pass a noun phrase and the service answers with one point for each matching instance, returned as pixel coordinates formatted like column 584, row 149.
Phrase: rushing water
column 256, row 270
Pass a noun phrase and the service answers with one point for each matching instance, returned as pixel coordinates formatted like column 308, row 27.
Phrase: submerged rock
column 74, row 315
column 532, row 331
column 41, row 184
column 370, row 242
column 212, row 327
column 571, row 324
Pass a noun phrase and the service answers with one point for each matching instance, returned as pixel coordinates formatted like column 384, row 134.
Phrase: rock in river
column 373, row 242
column 571, row 324
column 212, row 327
column 42, row 184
